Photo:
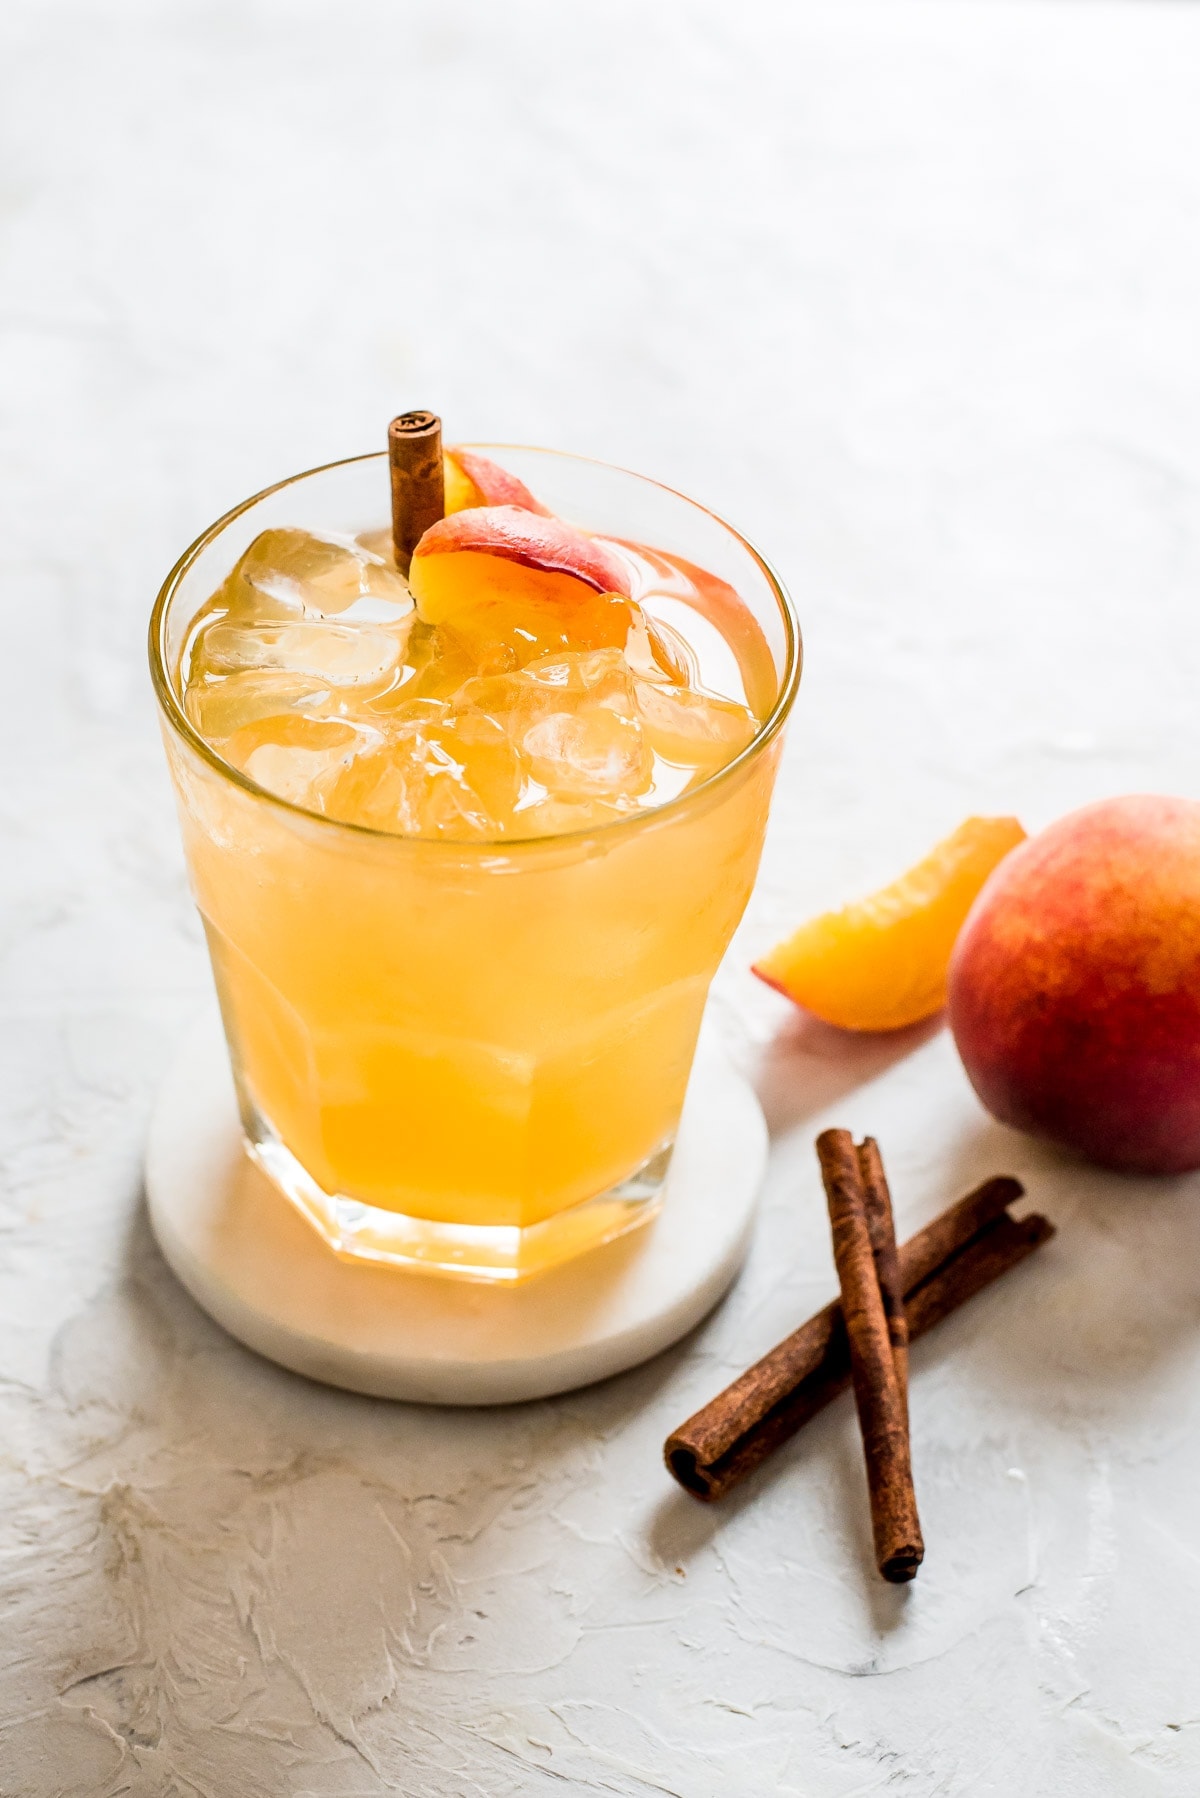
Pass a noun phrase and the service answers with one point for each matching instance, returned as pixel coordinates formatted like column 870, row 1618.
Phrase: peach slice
column 520, row 582
column 461, row 493
column 472, row 480
column 881, row 963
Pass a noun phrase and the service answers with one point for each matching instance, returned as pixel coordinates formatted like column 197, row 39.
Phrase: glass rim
column 175, row 715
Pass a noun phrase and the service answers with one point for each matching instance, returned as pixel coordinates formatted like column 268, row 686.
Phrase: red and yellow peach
column 1074, row 987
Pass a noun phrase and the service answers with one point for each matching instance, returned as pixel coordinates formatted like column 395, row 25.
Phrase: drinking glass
column 471, row 1057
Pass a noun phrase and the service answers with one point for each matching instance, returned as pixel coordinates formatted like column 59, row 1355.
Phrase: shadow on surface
column 810, row 1065
column 681, row 1528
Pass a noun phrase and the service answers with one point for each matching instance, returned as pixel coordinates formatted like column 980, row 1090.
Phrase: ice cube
column 595, row 676
column 591, row 753
column 436, row 666
column 341, row 655
column 295, row 774
column 564, row 682
column 484, row 755
column 381, row 790
column 439, row 772
column 219, row 707
column 294, row 574
column 299, row 759
column 573, row 716
column 656, row 652
column 511, row 700
column 379, row 544
column 692, row 728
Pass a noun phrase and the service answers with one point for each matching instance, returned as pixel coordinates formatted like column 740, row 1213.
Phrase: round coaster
column 252, row 1261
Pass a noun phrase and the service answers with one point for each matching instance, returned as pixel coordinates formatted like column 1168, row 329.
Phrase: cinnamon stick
column 939, row 1270
column 1004, row 1243
column 882, row 1231
column 882, row 1416
column 418, row 485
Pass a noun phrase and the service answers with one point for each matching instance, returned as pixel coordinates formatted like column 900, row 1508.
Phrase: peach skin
column 528, row 584
column 1074, row 988
column 472, row 480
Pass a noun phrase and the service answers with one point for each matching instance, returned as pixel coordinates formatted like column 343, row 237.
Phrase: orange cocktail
column 469, row 845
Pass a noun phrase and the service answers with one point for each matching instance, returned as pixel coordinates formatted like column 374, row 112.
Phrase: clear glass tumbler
column 472, row 1057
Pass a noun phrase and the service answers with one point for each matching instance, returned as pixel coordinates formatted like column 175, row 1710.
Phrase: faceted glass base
column 465, row 1251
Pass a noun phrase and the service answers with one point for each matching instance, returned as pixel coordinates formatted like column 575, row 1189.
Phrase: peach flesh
column 459, row 491
column 495, row 604
column 546, row 545
column 1074, row 987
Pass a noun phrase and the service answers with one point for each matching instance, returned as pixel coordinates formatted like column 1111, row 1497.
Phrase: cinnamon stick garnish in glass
column 882, row 1414
column 955, row 1256
column 418, row 483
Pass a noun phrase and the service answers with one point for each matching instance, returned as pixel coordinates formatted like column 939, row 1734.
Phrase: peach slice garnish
column 472, row 480
column 881, row 963
column 520, row 581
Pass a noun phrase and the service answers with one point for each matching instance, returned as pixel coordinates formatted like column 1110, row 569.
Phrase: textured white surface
column 260, row 1268
column 911, row 293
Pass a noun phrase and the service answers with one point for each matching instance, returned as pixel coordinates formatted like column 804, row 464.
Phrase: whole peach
column 1074, row 986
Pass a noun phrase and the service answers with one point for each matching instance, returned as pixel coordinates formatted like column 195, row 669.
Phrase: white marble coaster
column 249, row 1258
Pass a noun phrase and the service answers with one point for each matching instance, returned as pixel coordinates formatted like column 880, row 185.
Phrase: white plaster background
column 911, row 292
